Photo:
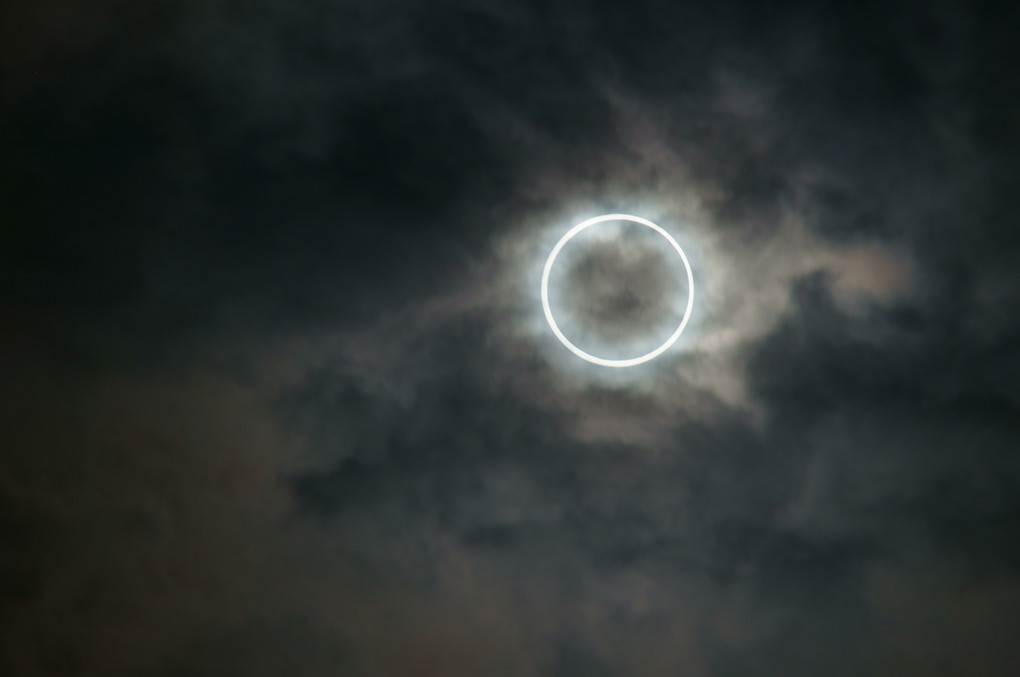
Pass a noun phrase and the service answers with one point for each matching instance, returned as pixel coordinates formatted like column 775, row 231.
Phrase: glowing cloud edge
column 634, row 361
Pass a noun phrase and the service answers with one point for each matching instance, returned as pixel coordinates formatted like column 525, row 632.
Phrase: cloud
column 278, row 394
column 135, row 512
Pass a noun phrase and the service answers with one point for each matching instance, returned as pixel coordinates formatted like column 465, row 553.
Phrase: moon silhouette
column 594, row 359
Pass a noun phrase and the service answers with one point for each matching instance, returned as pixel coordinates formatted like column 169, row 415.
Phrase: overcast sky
column 277, row 396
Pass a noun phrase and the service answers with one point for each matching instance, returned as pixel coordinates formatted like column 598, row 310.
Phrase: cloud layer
column 278, row 395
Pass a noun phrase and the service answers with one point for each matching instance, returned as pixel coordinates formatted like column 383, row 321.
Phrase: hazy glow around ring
column 548, row 311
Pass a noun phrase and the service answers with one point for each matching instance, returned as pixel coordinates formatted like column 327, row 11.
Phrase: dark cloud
column 278, row 395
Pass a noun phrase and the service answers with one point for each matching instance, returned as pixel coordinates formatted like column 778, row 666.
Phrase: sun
column 594, row 359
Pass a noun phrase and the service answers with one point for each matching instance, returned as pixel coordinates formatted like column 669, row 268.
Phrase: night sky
column 277, row 395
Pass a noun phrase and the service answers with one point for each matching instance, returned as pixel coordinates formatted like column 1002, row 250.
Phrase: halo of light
column 548, row 311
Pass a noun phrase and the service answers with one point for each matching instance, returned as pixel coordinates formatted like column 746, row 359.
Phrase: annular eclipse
column 594, row 359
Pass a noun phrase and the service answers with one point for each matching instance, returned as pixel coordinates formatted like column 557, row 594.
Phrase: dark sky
column 277, row 396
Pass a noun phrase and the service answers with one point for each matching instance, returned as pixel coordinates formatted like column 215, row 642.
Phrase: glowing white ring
column 548, row 311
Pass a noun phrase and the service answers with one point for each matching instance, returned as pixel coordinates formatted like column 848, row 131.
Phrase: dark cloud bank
column 275, row 399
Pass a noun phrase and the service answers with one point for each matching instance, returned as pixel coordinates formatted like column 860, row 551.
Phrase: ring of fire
column 552, row 321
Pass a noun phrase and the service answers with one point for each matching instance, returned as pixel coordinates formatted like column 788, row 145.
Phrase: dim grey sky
column 277, row 396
